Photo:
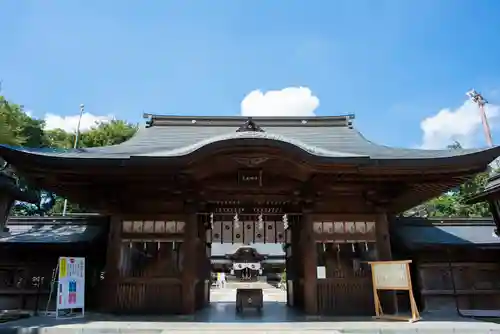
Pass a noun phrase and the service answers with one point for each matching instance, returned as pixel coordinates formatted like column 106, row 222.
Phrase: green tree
column 105, row 134
column 58, row 138
column 19, row 129
column 453, row 203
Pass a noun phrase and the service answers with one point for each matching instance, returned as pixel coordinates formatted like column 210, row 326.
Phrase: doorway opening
column 248, row 252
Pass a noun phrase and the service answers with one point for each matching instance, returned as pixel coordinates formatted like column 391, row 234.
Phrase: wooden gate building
column 313, row 183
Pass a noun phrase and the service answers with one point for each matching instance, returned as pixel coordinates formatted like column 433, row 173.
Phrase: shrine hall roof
column 49, row 230
column 491, row 189
column 330, row 137
column 263, row 249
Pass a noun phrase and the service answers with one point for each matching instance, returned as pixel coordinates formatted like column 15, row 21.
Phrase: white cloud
column 70, row 123
column 291, row 101
column 462, row 124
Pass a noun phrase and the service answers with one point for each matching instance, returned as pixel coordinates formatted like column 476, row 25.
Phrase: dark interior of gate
column 344, row 283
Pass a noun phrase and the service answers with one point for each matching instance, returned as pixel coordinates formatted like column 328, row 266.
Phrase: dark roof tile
column 327, row 137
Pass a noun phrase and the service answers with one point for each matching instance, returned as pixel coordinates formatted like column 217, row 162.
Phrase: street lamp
column 478, row 99
column 75, row 145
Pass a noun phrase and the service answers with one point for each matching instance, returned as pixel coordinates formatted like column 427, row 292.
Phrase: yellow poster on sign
column 62, row 267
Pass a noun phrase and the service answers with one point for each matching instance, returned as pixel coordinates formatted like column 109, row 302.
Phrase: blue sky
column 392, row 63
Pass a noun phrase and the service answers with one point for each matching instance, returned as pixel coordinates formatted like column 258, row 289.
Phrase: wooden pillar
column 203, row 264
column 384, row 253
column 295, row 268
column 6, row 202
column 190, row 263
column 112, row 269
column 310, row 259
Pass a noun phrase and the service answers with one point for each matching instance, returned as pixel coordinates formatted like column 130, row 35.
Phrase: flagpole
column 75, row 145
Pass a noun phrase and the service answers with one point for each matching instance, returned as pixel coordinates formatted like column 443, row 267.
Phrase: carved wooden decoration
column 251, row 162
column 159, row 227
column 170, row 227
column 149, row 226
column 248, row 232
column 360, row 227
column 152, row 227
column 179, row 227
column 249, row 126
column 318, row 227
column 350, row 227
column 370, row 227
column 344, row 232
column 338, row 227
column 328, row 227
column 127, row 226
column 137, row 227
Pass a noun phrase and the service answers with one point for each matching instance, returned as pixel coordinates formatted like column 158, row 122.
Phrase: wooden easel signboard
column 395, row 276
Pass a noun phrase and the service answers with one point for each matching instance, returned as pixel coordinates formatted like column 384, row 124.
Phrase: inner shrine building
column 181, row 184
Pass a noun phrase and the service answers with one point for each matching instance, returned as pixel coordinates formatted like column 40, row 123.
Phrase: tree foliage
column 17, row 128
column 453, row 203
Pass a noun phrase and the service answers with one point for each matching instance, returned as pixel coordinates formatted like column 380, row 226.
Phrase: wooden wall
column 22, row 265
column 465, row 278
column 150, row 258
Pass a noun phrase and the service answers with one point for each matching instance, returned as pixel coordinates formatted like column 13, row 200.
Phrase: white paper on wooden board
column 320, row 272
column 390, row 275
column 71, row 283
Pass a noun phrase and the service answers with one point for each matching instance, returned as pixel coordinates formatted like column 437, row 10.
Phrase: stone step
column 249, row 285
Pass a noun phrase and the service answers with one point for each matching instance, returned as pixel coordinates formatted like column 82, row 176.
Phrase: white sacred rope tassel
column 261, row 222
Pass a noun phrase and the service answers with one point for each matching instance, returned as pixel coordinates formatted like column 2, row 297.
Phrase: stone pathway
column 228, row 294
column 221, row 318
column 156, row 326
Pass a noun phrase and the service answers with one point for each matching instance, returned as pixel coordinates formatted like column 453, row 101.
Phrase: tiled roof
column 322, row 137
column 492, row 189
column 50, row 231
column 416, row 233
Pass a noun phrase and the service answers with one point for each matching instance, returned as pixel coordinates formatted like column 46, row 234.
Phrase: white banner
column 71, row 283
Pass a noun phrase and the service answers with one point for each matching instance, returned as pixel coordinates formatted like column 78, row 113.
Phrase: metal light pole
column 478, row 99
column 75, row 145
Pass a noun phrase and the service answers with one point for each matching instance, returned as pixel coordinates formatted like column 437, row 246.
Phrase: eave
column 85, row 159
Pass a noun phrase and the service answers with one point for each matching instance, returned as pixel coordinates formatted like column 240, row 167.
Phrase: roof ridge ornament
column 249, row 126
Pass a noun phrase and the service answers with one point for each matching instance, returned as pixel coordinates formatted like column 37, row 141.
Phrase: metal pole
column 486, row 126
column 75, row 145
column 478, row 99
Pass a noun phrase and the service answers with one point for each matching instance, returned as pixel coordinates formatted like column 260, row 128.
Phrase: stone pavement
column 228, row 294
column 157, row 326
column 222, row 318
